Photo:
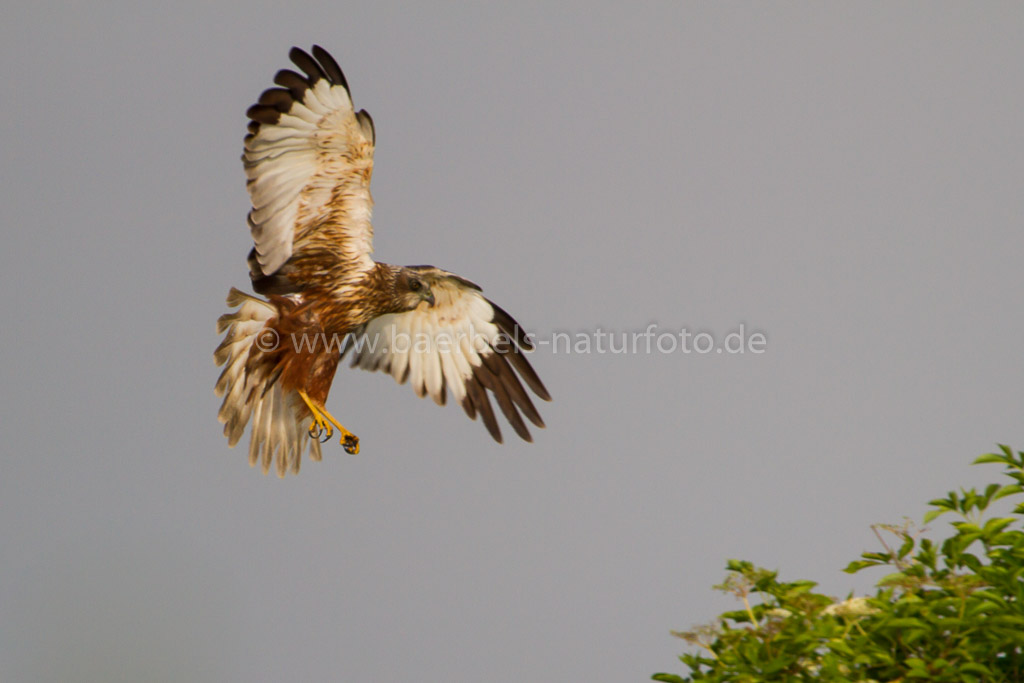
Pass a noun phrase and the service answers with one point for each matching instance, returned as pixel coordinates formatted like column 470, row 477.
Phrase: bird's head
column 412, row 289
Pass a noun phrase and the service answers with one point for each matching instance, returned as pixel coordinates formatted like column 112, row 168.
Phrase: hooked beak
column 429, row 298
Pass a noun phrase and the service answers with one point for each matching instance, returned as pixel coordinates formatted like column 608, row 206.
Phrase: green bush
column 949, row 611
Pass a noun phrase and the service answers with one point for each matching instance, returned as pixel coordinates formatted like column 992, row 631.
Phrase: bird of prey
column 308, row 160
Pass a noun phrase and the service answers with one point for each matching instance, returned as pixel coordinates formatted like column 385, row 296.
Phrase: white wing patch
column 463, row 344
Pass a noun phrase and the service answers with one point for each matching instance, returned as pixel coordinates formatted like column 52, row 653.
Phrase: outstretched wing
column 463, row 344
column 308, row 158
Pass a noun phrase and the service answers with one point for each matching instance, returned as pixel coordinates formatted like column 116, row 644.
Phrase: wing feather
column 330, row 66
column 463, row 344
column 308, row 160
column 478, row 396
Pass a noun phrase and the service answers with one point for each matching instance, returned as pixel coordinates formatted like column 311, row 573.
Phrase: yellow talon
column 322, row 420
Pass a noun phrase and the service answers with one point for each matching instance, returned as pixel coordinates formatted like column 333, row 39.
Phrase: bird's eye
column 415, row 285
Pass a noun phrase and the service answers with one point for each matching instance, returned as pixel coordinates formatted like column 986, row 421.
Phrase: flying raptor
column 308, row 159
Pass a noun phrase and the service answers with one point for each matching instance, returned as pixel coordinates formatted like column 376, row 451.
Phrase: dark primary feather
column 334, row 73
column 261, row 113
column 508, row 325
column 293, row 82
column 279, row 98
column 497, row 384
column 527, row 372
column 499, row 366
column 478, row 397
column 307, row 64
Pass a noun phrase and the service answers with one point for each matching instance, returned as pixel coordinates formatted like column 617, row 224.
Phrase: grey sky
column 845, row 178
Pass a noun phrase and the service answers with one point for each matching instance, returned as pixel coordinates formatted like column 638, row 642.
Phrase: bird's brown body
column 299, row 358
column 310, row 331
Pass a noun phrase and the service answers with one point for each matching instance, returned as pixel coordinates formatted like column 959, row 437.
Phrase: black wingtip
column 279, row 98
column 309, row 66
column 295, row 83
column 261, row 113
column 330, row 66
column 478, row 395
column 511, row 327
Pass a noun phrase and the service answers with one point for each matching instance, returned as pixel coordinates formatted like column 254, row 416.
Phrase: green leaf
column 668, row 678
column 883, row 558
column 989, row 457
column 895, row 579
column 967, row 527
column 1008, row 490
column 975, row 668
column 916, row 668
column 905, row 623
column 997, row 524
column 738, row 566
column 857, row 565
column 739, row 615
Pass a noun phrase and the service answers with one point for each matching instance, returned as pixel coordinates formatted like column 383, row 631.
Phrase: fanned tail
column 279, row 421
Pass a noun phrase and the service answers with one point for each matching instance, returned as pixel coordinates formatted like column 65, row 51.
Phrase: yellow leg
column 322, row 420
column 318, row 424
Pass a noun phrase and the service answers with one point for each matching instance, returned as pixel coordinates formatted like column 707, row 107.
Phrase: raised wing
column 308, row 158
column 463, row 344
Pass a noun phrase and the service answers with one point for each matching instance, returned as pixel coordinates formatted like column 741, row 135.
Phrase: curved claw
column 350, row 442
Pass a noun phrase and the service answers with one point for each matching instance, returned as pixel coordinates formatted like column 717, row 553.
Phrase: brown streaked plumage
column 308, row 161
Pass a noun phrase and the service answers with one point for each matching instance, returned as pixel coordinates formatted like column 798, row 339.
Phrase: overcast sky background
column 845, row 178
